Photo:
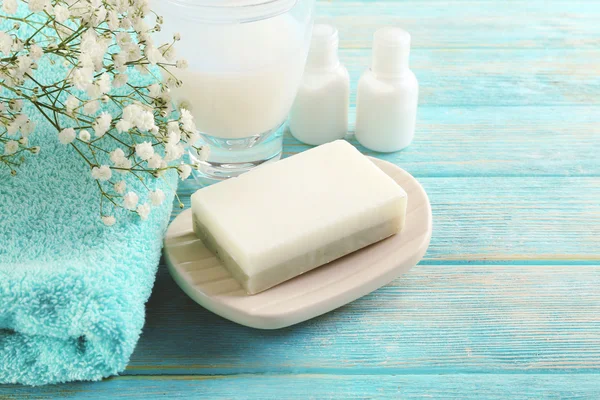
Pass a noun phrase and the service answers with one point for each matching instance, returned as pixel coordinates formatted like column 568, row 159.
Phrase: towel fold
column 72, row 291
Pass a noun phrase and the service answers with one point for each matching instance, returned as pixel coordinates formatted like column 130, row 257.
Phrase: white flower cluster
column 97, row 43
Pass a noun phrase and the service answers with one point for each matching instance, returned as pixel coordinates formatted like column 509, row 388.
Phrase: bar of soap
column 284, row 219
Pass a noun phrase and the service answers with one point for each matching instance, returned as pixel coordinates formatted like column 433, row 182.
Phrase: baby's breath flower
column 102, row 124
column 82, row 77
column 23, row 65
column 139, row 25
column 130, row 200
column 9, row 6
column 91, row 107
column 117, row 155
column 108, row 220
column 184, row 171
column 113, row 21
column 12, row 129
column 125, row 23
column 16, row 105
column 120, row 187
column 173, row 138
column 124, row 165
column 154, row 90
column 104, row 83
column 85, row 136
column 123, row 39
column 37, row 5
column 21, row 119
column 193, row 138
column 67, row 135
column 145, row 121
column 187, row 120
column 11, row 147
column 119, row 61
column 93, row 90
column 27, row 128
column 173, row 127
column 204, row 153
column 177, row 36
column 142, row 139
column 18, row 45
column 173, row 152
column 144, row 150
column 143, row 211
column 131, row 112
column 120, row 80
column 155, row 161
column 157, row 197
column 123, row 126
column 71, row 103
column 6, row 43
column 181, row 64
column 102, row 173
column 36, row 52
column 170, row 82
column 61, row 13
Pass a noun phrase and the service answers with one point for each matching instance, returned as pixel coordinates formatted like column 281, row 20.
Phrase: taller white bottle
column 388, row 93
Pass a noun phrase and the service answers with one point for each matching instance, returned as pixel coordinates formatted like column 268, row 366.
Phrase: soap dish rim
column 263, row 319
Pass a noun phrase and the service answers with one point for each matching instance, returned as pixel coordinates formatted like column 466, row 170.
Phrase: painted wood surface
column 320, row 386
column 506, row 303
column 437, row 319
column 497, row 24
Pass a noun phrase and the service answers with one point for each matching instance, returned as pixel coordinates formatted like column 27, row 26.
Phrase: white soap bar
column 286, row 218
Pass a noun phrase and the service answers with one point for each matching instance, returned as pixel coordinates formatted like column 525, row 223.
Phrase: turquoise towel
column 72, row 291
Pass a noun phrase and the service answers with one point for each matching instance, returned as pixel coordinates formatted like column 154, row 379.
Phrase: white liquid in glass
column 242, row 78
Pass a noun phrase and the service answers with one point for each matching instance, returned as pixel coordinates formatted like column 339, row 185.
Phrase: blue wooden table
column 506, row 302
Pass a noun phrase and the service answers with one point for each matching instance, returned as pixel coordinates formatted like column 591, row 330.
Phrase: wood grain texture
column 507, row 218
column 486, row 142
column 305, row 387
column 523, row 24
column 506, row 303
column 496, row 77
column 435, row 319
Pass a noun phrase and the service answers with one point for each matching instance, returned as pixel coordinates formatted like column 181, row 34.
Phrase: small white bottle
column 320, row 111
column 387, row 94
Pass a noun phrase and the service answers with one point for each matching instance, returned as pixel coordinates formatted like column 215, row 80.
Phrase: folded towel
column 72, row 291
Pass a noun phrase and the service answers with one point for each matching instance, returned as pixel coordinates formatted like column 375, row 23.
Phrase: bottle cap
column 391, row 50
column 324, row 44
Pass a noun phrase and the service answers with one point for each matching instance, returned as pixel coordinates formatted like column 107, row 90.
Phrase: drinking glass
column 246, row 60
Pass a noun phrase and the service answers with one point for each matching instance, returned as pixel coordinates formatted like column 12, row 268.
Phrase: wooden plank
column 469, row 24
column 496, row 77
column 461, row 131
column 507, row 219
column 514, row 218
column 436, row 319
column 492, row 141
column 302, row 387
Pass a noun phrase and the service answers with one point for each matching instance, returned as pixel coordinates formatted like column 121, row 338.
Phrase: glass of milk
column 246, row 60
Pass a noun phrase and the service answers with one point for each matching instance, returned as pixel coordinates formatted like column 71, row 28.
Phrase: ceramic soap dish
column 198, row 272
